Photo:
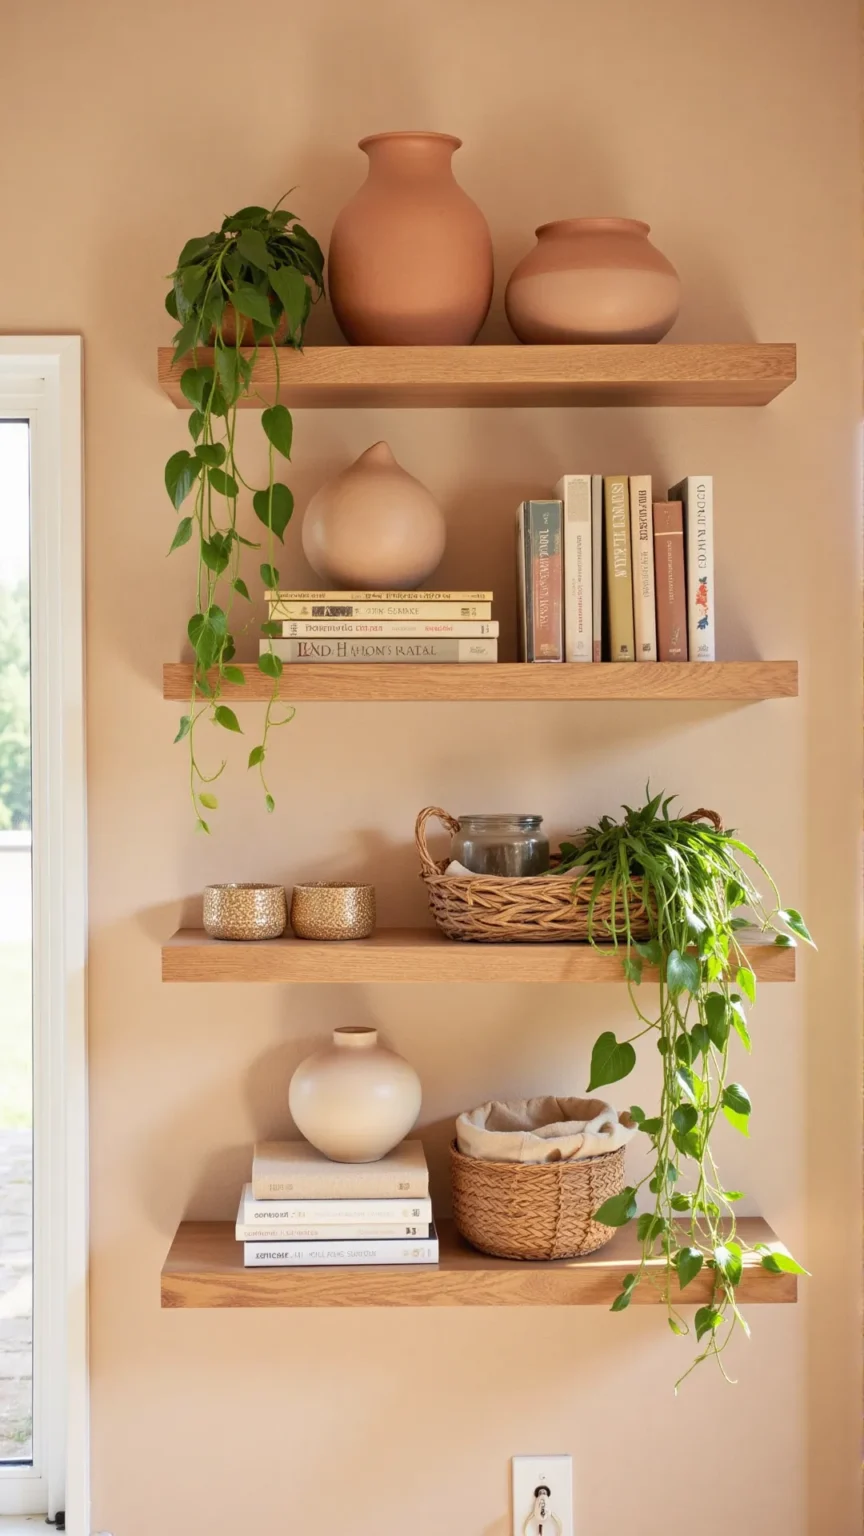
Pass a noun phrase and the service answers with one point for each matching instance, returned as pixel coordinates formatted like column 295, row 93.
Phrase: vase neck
column 599, row 226
column 355, row 1037
column 413, row 156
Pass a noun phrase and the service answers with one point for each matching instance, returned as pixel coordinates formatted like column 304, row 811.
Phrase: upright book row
column 607, row 574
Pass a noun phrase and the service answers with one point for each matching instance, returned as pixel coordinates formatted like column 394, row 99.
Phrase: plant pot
column 410, row 260
column 354, row 1100
column 247, row 335
column 333, row 909
column 593, row 280
column 245, row 911
column 374, row 527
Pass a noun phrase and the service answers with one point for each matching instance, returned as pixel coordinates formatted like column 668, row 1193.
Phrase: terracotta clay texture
column 374, row 527
column 354, row 1100
column 410, row 261
column 593, row 280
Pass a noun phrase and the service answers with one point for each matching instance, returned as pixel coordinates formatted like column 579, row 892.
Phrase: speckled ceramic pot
column 245, row 911
column 354, row 1100
column 333, row 909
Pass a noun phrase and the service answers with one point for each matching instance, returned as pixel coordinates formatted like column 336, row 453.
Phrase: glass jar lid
column 501, row 819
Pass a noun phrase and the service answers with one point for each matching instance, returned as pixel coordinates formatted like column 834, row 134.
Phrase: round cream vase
column 354, row 1099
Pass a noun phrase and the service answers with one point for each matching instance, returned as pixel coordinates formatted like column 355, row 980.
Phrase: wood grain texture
column 735, row 681
column 205, row 1269
column 703, row 374
column 413, row 955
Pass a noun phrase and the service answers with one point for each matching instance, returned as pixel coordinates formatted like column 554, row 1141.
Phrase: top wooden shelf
column 710, row 373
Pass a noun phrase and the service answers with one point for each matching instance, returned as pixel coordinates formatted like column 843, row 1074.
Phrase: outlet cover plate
column 552, row 1472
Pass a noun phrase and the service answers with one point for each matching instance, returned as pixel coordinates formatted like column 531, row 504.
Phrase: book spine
column 384, row 611
column 642, row 550
column 697, row 494
column 574, row 492
column 358, row 1231
column 619, row 573
column 410, row 629
column 547, row 586
column 523, row 581
column 321, row 1212
column 597, row 566
column 374, row 650
column 670, row 581
column 299, row 1255
column 342, row 1183
column 377, row 597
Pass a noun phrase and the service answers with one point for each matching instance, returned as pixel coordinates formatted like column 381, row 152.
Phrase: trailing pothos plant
column 252, row 280
column 686, row 875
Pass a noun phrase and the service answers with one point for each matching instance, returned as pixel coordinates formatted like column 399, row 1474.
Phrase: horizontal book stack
column 605, row 573
column 302, row 1209
column 382, row 627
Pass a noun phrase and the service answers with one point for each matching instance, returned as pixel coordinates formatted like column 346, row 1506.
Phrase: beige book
column 619, row 568
column 642, row 556
column 296, row 1168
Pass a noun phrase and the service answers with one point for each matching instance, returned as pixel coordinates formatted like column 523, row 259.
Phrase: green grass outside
column 16, row 1055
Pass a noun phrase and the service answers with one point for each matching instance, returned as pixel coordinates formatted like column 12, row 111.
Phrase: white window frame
column 40, row 382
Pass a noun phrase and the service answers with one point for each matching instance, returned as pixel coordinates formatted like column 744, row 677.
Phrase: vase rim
column 409, row 133
column 356, row 1037
column 596, row 221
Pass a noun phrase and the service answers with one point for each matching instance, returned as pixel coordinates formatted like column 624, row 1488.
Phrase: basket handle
column 703, row 815
column 427, row 862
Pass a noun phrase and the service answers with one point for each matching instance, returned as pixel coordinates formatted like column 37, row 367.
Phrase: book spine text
column 377, row 650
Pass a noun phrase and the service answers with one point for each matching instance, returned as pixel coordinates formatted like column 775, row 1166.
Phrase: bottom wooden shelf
column 205, row 1269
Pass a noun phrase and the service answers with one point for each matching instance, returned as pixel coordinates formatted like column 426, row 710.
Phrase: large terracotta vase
column 354, row 1100
column 410, row 260
column 374, row 527
column 593, row 280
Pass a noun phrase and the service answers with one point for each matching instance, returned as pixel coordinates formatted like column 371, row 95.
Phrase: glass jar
column 501, row 845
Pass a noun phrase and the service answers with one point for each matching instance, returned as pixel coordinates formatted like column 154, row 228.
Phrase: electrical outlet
column 539, row 1513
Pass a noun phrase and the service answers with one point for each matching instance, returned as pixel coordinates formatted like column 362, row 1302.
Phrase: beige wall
column 733, row 129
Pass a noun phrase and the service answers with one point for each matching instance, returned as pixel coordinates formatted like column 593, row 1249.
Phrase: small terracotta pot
column 374, row 527
column 354, row 1100
column 410, row 260
column 593, row 280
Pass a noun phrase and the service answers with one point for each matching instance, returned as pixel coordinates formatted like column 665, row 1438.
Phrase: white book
column 407, row 596
column 597, row 565
column 337, row 650
column 323, row 1213
column 575, row 492
column 350, row 610
column 297, row 1171
column 391, row 629
column 696, row 493
column 380, row 1251
column 642, row 554
column 331, row 1231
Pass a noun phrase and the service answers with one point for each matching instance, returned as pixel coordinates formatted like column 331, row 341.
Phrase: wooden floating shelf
column 414, row 955
column 377, row 682
column 708, row 373
column 205, row 1269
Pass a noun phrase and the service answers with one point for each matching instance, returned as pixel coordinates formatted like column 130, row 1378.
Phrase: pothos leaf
column 610, row 1061
column 618, row 1209
column 688, row 1262
column 226, row 718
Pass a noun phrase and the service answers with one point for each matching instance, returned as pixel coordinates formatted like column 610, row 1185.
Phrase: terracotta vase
column 410, row 261
column 593, row 280
column 354, row 1100
column 374, row 527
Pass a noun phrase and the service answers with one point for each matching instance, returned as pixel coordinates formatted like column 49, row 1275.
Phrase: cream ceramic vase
column 593, row 280
column 374, row 527
column 354, row 1100
column 410, row 260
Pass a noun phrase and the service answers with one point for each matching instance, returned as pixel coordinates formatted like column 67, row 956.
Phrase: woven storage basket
column 537, row 909
column 534, row 1210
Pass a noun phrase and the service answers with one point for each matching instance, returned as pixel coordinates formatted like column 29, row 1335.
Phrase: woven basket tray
column 537, row 909
column 534, row 1210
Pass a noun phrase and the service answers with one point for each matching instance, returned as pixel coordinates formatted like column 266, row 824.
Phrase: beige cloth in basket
column 543, row 1130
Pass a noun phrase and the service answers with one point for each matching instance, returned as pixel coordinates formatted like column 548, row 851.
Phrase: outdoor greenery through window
column 16, row 1027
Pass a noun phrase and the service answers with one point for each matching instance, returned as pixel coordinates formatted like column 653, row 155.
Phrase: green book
column 619, row 567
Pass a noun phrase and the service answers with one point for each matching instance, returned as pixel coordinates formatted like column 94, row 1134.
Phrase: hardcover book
column 574, row 492
column 642, row 553
column 379, row 650
column 597, row 601
column 311, row 1232
column 540, row 580
column 696, row 493
column 321, row 1213
column 295, row 1168
column 619, row 573
column 670, row 581
column 379, row 1251
column 415, row 610
column 392, row 629
column 377, row 597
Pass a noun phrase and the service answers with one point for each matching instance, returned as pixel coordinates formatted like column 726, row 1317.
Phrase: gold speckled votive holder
column 245, row 911
column 333, row 909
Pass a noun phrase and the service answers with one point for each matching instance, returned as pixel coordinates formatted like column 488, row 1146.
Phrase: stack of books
column 382, row 626
column 607, row 574
column 302, row 1209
